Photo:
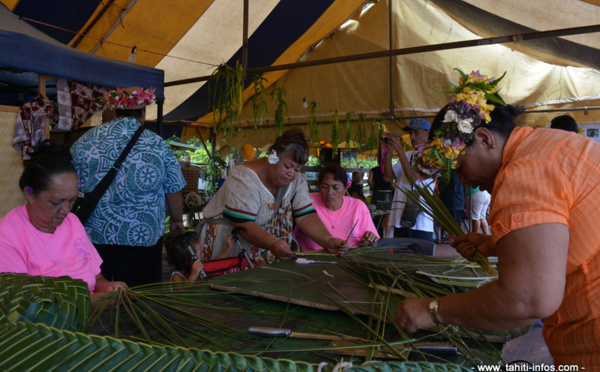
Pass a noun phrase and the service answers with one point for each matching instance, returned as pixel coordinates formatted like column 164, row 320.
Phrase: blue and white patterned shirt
column 132, row 211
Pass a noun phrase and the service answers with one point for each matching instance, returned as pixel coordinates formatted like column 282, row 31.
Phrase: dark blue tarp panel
column 26, row 48
column 266, row 44
column 53, row 13
column 559, row 47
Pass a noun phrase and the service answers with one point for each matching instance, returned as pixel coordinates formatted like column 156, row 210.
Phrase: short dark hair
column 564, row 122
column 178, row 253
column 339, row 173
column 292, row 143
column 47, row 160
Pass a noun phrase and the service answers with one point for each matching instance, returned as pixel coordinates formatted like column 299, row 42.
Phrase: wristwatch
column 433, row 309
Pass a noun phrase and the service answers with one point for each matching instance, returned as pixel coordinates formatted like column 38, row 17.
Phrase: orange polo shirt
column 553, row 176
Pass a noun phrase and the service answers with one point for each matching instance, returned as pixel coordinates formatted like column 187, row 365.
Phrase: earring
column 493, row 146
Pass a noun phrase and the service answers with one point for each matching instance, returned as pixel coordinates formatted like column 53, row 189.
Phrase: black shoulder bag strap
column 84, row 209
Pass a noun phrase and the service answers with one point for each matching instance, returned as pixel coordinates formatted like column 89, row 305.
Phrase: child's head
column 179, row 250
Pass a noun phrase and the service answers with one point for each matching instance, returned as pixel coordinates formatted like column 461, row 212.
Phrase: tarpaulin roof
column 25, row 49
column 188, row 39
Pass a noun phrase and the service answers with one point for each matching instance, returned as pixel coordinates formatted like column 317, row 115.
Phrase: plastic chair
column 408, row 245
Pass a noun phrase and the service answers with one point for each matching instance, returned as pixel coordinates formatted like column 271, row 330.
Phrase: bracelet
column 272, row 242
column 433, row 309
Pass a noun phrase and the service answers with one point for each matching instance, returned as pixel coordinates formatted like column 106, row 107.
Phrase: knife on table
column 433, row 347
column 279, row 332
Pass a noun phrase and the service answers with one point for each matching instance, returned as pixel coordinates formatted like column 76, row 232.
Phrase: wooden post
column 42, row 91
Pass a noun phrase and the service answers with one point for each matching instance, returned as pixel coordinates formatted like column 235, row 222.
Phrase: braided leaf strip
column 61, row 302
column 409, row 367
column 37, row 347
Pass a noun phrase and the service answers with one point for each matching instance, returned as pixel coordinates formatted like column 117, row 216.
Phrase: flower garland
column 128, row 98
column 467, row 110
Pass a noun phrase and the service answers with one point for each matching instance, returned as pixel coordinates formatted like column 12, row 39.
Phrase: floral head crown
column 128, row 98
column 467, row 110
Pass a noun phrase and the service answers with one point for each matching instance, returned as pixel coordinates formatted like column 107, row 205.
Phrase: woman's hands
column 103, row 285
column 413, row 314
column 369, row 239
column 336, row 246
column 281, row 249
column 467, row 244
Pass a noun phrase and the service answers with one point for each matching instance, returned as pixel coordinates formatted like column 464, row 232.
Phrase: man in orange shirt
column 544, row 216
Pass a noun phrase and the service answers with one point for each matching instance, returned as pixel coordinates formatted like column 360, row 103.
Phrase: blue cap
column 417, row 123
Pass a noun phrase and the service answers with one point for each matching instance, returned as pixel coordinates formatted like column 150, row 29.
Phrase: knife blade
column 280, row 332
column 432, row 347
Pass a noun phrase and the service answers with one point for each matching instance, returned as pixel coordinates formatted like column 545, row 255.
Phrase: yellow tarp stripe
column 339, row 11
column 154, row 25
column 10, row 4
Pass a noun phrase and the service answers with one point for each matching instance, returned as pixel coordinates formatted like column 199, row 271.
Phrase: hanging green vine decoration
column 348, row 130
column 259, row 98
column 361, row 135
column 313, row 127
column 279, row 94
column 374, row 136
column 335, row 132
column 226, row 99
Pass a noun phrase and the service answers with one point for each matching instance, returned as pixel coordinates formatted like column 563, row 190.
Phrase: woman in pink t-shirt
column 42, row 237
column 345, row 217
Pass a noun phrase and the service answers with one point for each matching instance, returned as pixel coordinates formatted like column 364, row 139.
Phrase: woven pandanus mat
column 36, row 347
column 61, row 302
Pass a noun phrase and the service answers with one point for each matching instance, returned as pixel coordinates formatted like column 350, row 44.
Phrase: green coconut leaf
column 62, row 302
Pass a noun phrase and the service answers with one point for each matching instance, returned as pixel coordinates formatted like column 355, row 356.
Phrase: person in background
column 564, row 122
column 356, row 189
column 128, row 224
column 345, row 217
column 402, row 172
column 42, row 237
column 479, row 201
column 544, row 218
column 182, row 255
column 452, row 195
column 247, row 200
column 381, row 190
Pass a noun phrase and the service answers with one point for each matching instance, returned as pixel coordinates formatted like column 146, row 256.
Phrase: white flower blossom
column 464, row 125
column 450, row 116
column 273, row 158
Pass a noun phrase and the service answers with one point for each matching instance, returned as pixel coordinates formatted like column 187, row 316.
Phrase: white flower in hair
column 273, row 158
column 450, row 116
column 464, row 125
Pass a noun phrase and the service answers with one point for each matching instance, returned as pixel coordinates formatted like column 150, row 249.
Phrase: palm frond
column 61, row 302
column 432, row 205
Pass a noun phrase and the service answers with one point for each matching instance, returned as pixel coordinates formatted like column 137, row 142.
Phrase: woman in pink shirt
column 338, row 212
column 42, row 237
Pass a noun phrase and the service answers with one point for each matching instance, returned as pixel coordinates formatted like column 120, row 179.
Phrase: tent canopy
column 188, row 39
column 27, row 50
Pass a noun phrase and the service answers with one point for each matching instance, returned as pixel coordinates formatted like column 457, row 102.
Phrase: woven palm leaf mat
column 324, row 286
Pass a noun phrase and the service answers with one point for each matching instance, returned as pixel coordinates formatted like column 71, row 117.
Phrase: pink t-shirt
column 66, row 252
column 340, row 222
